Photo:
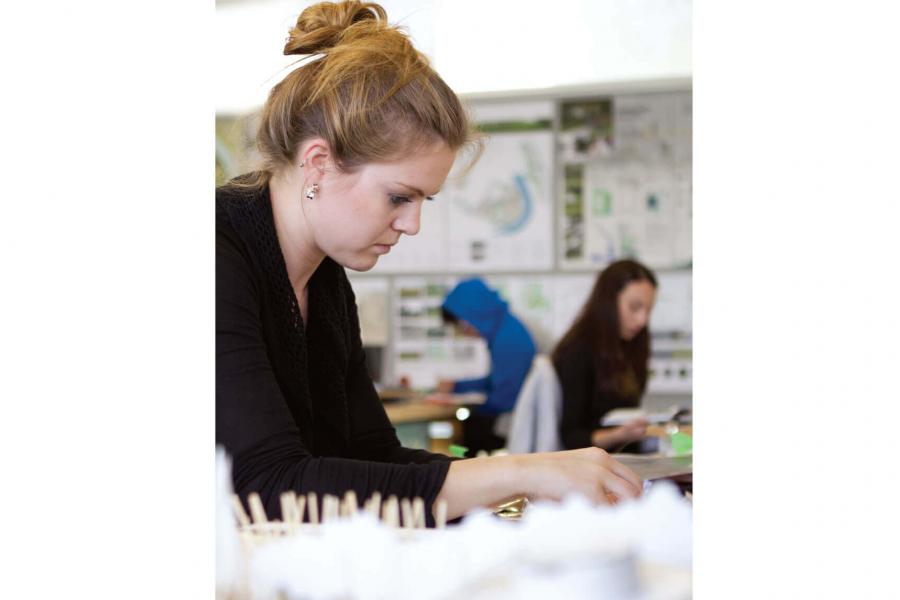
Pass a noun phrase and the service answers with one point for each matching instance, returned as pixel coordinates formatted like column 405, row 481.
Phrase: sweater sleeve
column 480, row 384
column 256, row 427
column 576, row 380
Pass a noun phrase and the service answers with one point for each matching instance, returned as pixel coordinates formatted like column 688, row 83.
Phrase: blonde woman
column 356, row 141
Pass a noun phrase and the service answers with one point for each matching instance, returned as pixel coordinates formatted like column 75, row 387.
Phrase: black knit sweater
column 295, row 408
column 583, row 404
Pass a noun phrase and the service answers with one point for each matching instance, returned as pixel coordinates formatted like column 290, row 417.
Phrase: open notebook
column 621, row 415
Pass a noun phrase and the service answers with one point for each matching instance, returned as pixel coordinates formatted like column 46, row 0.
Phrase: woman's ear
column 315, row 158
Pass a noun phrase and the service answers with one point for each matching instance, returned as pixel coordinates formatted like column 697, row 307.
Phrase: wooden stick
column 313, row 508
column 288, row 506
column 406, row 512
column 375, row 506
column 330, row 507
column 440, row 519
column 335, row 507
column 239, row 511
column 324, row 512
column 389, row 512
column 257, row 511
column 418, row 510
column 349, row 507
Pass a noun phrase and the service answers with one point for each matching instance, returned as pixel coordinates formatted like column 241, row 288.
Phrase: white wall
column 502, row 45
column 476, row 45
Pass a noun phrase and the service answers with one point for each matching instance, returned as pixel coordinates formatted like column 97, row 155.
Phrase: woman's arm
column 613, row 438
column 257, row 428
column 482, row 482
column 479, row 384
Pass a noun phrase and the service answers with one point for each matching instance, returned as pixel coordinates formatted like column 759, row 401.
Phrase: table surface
column 410, row 406
column 660, row 430
column 412, row 412
column 414, row 409
column 655, row 466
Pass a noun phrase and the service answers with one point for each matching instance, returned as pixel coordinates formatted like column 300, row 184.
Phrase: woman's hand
column 614, row 438
column 589, row 471
column 492, row 480
column 445, row 386
column 633, row 430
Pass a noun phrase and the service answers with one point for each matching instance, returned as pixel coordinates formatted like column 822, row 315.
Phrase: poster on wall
column 501, row 209
column 495, row 214
column 625, row 190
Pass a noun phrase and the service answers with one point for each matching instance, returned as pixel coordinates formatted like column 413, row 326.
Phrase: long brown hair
column 371, row 95
column 621, row 366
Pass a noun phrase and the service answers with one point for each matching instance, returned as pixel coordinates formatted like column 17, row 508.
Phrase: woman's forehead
column 421, row 173
column 638, row 289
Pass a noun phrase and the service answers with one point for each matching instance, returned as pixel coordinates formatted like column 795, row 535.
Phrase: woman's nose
column 644, row 318
column 408, row 220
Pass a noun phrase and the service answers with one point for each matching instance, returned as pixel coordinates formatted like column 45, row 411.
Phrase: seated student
column 601, row 361
column 354, row 141
column 478, row 311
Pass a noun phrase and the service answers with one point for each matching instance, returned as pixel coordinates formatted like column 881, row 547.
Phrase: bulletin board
column 564, row 183
column 625, row 184
column 568, row 184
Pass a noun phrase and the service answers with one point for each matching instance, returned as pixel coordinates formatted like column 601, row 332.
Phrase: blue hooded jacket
column 510, row 344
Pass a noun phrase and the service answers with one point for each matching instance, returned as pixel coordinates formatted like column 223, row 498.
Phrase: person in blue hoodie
column 476, row 309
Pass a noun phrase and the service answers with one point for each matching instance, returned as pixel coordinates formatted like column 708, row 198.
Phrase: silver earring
column 303, row 163
column 311, row 191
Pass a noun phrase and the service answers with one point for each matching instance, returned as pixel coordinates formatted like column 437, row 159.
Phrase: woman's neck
column 298, row 247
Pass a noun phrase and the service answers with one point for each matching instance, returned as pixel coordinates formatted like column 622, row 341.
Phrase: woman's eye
column 398, row 199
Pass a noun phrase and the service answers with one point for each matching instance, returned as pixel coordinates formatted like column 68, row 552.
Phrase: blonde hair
column 372, row 96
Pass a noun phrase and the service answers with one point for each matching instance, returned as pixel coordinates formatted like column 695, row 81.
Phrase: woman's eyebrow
column 414, row 189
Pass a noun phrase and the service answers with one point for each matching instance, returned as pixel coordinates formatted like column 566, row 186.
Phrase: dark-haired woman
column 354, row 141
column 602, row 360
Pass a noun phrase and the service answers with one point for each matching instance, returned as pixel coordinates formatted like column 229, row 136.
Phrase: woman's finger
column 622, row 486
column 624, row 472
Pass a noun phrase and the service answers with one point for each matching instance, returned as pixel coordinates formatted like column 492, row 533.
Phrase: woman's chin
column 359, row 263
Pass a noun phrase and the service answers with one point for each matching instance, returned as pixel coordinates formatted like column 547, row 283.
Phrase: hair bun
column 320, row 26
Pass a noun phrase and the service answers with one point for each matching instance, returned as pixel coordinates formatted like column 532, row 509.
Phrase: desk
column 654, row 466
column 410, row 414
column 651, row 467
column 412, row 411
column 660, row 430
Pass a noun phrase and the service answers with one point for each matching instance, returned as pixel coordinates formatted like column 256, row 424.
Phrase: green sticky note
column 682, row 443
column 458, row 451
